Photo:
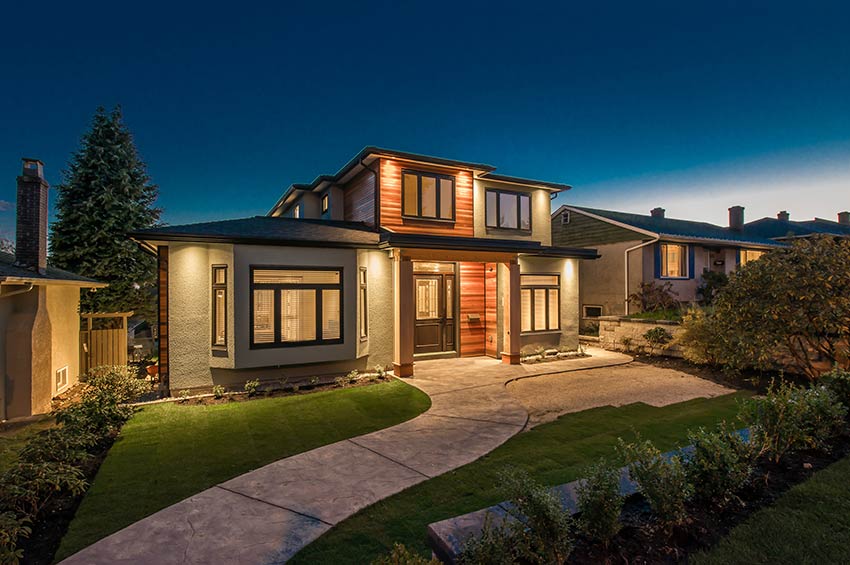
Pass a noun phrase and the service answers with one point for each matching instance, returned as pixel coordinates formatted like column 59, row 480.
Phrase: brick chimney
column 783, row 216
column 844, row 218
column 31, row 234
column 736, row 218
column 657, row 212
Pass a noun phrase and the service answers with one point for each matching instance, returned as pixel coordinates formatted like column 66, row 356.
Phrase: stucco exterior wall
column 602, row 281
column 541, row 210
column 378, row 345
column 569, row 269
column 63, row 303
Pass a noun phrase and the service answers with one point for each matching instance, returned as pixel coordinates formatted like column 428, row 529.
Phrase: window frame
column 363, row 295
column 325, row 203
column 548, row 288
column 60, row 385
column 214, row 287
column 743, row 256
column 584, row 314
column 438, row 177
column 519, row 195
column 686, row 259
column 296, row 211
column 276, row 308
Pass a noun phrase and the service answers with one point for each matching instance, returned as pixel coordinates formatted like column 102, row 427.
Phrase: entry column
column 402, row 315
column 511, row 315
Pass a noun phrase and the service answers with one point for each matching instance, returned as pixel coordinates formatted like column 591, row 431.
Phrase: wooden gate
column 103, row 340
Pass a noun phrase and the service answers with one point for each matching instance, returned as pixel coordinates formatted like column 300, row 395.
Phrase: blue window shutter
column 691, row 261
column 657, row 260
column 737, row 257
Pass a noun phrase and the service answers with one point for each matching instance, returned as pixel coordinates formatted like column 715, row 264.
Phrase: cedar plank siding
column 162, row 270
column 472, row 302
column 359, row 199
column 390, row 202
column 583, row 231
column 490, row 317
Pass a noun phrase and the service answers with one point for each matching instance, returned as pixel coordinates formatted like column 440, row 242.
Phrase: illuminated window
column 325, row 204
column 296, row 212
column 674, row 261
column 295, row 306
column 508, row 210
column 364, row 305
column 540, row 299
column 748, row 255
column 219, row 306
column 428, row 195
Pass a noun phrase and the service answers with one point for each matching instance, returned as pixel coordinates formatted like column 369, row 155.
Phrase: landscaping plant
column 653, row 296
column 720, row 464
column 657, row 338
column 662, row 481
column 218, row 391
column 495, row 545
column 251, row 386
column 400, row 555
column 838, row 382
column 600, row 502
column 12, row 528
column 711, row 284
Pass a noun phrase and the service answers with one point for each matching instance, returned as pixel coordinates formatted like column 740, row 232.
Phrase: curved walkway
column 267, row 515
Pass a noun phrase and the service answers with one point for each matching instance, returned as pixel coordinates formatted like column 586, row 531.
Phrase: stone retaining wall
column 617, row 333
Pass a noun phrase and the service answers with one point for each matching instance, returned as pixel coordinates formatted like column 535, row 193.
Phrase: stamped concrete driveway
column 267, row 515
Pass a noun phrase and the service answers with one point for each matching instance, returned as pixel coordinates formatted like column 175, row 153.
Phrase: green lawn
column 168, row 452
column 14, row 439
column 808, row 524
column 553, row 453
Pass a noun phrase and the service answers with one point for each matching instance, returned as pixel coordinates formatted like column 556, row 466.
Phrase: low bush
column 95, row 415
column 711, row 284
column 12, row 528
column 653, row 296
column 698, row 338
column 400, row 555
column 27, row 487
column 118, row 383
column 657, row 338
column 252, row 386
column 600, row 502
column 59, row 446
column 495, row 545
column 720, row 465
column 838, row 382
column 661, row 480
column 218, row 391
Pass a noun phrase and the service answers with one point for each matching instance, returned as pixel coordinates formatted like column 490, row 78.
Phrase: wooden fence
column 103, row 340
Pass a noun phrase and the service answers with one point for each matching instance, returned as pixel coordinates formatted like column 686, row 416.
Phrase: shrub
column 381, row 372
column 96, row 414
column 117, row 382
column 710, row 286
column 183, row 395
column 838, row 382
column 662, row 481
column 27, row 487
column 600, row 502
column 252, row 386
column 218, row 391
column 494, row 546
column 697, row 338
column 720, row 465
column 400, row 555
column 12, row 528
column 657, row 338
column 59, row 445
column 654, row 296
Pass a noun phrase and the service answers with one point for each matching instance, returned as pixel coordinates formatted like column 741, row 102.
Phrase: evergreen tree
column 105, row 193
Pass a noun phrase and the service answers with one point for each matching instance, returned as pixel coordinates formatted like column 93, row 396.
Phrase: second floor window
column 427, row 195
column 508, row 210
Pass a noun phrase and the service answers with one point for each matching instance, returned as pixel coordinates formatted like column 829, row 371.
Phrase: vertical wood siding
column 390, row 202
column 490, row 320
column 359, row 198
column 472, row 302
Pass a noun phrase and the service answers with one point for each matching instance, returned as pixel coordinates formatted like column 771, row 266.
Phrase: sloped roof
column 11, row 273
column 680, row 229
column 776, row 228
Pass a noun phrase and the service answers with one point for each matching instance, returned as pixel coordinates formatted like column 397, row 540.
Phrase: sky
column 691, row 106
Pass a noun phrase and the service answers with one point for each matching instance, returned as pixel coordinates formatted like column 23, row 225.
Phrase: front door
column 434, row 328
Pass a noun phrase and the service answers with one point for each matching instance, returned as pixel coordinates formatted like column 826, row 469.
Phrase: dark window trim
column 222, row 286
column 519, row 194
column 584, row 308
column 325, row 203
column 438, row 177
column 277, row 343
column 548, row 287
column 363, row 294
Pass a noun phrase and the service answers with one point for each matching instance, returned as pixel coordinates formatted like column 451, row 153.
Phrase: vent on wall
column 61, row 378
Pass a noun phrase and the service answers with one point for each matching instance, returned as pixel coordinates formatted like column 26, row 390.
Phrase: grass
column 168, row 452
column 808, row 524
column 553, row 453
column 12, row 440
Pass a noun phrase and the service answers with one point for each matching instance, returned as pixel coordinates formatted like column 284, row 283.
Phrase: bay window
column 429, row 196
column 507, row 209
column 294, row 306
column 540, row 303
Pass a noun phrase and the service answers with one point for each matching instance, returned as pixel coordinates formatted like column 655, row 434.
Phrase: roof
column 775, row 228
column 13, row 274
column 554, row 186
column 273, row 230
column 267, row 230
column 676, row 229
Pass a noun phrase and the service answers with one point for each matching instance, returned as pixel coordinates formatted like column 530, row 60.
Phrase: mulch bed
column 641, row 542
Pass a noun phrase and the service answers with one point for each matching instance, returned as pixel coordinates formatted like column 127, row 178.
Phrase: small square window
column 565, row 218
column 324, row 203
column 592, row 311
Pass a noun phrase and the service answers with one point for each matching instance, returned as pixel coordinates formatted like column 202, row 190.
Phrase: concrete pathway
column 267, row 515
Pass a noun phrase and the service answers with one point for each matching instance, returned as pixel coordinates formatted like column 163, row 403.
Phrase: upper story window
column 674, row 261
column 508, row 210
column 325, row 203
column 748, row 255
column 428, row 195
column 219, row 306
column 296, row 211
column 291, row 306
column 540, row 303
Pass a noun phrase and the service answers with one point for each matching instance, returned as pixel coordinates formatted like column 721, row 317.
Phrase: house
column 642, row 249
column 782, row 228
column 396, row 257
column 39, row 310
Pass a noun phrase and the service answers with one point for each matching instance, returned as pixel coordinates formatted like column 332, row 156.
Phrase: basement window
column 592, row 311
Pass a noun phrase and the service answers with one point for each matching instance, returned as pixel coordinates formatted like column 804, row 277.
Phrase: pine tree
column 105, row 193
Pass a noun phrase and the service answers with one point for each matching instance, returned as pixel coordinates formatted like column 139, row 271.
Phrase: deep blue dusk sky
column 694, row 108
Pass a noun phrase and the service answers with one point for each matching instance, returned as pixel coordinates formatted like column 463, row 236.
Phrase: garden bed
column 552, row 355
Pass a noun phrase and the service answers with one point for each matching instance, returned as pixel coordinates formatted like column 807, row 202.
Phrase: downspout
column 626, row 257
column 19, row 291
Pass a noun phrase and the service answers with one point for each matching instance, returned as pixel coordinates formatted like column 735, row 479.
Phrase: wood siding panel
column 359, row 199
column 390, row 202
column 490, row 317
column 583, row 231
column 472, row 334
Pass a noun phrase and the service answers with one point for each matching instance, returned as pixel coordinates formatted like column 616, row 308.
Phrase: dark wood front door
column 434, row 328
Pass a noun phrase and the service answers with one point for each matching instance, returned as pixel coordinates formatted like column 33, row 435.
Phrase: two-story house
column 396, row 257
column 636, row 248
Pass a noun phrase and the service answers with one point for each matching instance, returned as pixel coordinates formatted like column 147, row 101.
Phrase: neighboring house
column 641, row 249
column 39, row 310
column 783, row 228
column 396, row 257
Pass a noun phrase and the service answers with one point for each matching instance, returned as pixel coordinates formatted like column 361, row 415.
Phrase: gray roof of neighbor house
column 13, row 274
column 275, row 230
column 678, row 229
column 775, row 228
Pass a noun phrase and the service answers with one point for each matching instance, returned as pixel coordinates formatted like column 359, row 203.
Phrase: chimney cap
column 783, row 215
column 32, row 167
column 657, row 212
